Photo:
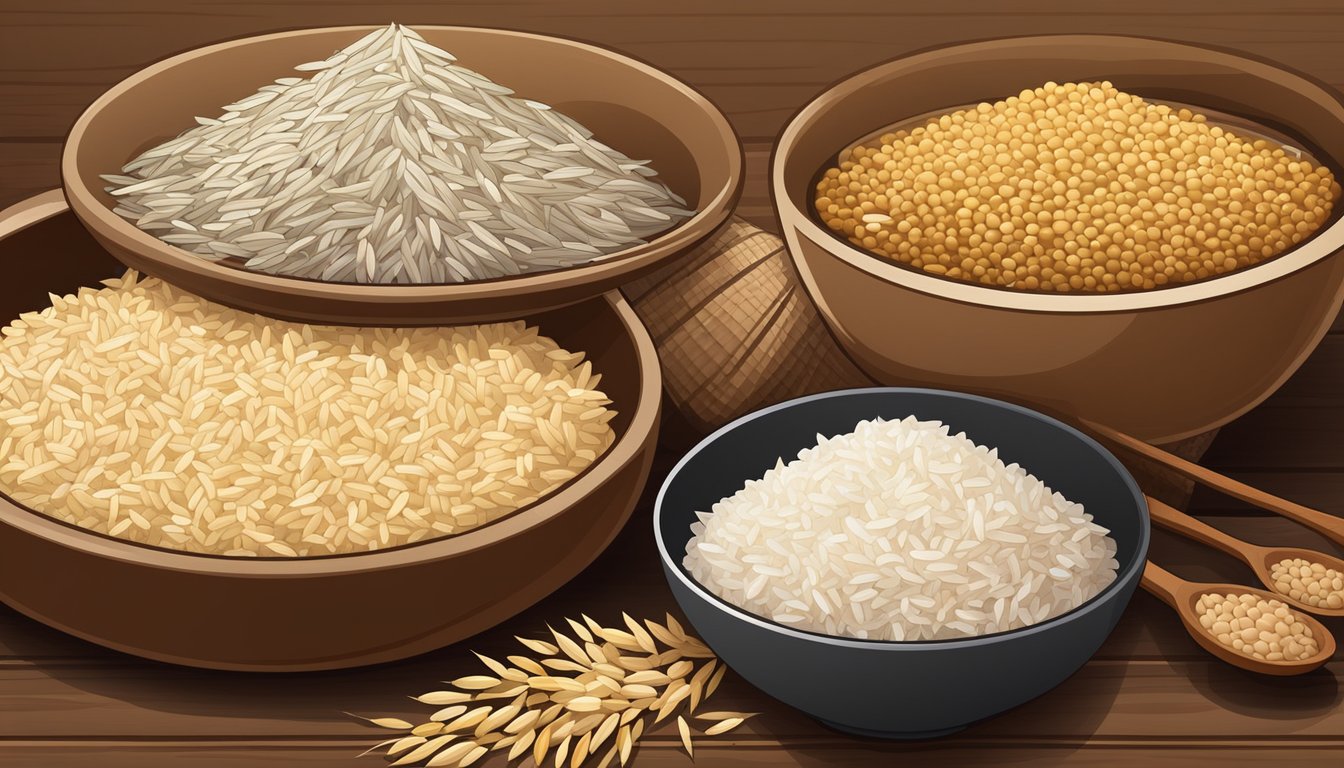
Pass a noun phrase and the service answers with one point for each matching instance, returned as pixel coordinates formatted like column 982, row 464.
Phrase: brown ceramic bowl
column 276, row 614
column 629, row 105
column 1163, row 364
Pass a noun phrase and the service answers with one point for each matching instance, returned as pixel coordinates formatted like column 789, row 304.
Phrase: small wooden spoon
column 1183, row 595
column 1327, row 525
column 1260, row 559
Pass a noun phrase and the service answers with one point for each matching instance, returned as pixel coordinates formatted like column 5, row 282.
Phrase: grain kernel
column 1285, row 639
column 1187, row 200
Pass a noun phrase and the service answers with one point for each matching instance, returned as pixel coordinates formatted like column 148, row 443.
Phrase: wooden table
column 1150, row 696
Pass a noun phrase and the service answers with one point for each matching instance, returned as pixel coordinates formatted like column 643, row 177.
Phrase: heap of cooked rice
column 392, row 164
column 144, row 412
column 900, row 531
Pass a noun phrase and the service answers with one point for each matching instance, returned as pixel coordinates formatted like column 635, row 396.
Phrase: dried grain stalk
column 589, row 694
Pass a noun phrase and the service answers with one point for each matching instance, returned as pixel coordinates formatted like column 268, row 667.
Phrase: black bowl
column 903, row 689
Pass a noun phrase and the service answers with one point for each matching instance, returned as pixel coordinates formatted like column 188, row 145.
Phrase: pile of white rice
column 392, row 164
column 141, row 411
column 900, row 531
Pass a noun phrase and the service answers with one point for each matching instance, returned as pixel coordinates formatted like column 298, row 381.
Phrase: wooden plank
column 1281, row 437
column 27, row 168
column 1106, row 700
column 720, row 753
column 1322, row 490
column 760, row 66
column 756, row 204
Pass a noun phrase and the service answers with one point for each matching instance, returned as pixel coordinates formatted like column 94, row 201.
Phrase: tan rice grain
column 144, row 412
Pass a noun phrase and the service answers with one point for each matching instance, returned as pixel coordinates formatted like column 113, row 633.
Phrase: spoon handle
column 1164, row 584
column 1327, row 525
column 1174, row 520
column 26, row 213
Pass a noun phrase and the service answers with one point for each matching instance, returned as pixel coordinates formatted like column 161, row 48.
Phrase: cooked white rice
column 391, row 164
column 900, row 531
column 141, row 411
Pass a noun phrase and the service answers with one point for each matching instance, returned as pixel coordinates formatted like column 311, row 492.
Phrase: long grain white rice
column 144, row 412
column 900, row 531
column 392, row 164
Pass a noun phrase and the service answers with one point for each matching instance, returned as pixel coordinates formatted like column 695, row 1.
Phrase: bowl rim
column 84, row 201
column 796, row 222
column 626, row 449
column 1127, row 575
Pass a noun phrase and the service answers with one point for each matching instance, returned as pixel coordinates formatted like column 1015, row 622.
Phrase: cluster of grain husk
column 589, row 695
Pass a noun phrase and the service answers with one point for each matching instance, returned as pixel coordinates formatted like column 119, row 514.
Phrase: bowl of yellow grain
column 1135, row 231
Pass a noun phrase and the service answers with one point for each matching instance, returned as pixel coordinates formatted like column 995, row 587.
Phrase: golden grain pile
column 580, row 697
column 1262, row 629
column 1308, row 582
column 144, row 412
column 1074, row 187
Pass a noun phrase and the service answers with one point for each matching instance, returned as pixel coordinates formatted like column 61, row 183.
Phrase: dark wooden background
column 1150, row 696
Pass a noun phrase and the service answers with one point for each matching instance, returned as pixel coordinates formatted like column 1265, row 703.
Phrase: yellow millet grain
column 1074, row 187
column 1263, row 629
column 1308, row 582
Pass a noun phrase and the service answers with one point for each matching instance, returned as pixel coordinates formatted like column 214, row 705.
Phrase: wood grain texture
column 1151, row 697
column 759, row 60
column 1106, row 699
column 666, row 753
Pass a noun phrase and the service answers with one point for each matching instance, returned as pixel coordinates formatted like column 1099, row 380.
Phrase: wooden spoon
column 1327, row 525
column 1183, row 595
column 1260, row 559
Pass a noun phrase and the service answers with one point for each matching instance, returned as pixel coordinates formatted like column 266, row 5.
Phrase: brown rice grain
column 205, row 429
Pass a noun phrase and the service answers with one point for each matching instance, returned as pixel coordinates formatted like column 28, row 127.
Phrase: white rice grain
column 391, row 123
column 900, row 531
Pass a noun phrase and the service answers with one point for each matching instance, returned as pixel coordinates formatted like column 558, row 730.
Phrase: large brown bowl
column 276, row 614
column 1163, row 364
column 629, row 105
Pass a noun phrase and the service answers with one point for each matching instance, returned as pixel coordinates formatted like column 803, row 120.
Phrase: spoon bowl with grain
column 1302, row 578
column 1245, row 627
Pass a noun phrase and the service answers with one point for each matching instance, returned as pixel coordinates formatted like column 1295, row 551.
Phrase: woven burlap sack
column 736, row 331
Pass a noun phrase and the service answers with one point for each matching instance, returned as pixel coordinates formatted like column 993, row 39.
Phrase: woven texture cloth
column 735, row 329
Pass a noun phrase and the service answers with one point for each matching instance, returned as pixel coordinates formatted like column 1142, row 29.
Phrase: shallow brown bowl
column 277, row 614
column 629, row 105
column 1163, row 364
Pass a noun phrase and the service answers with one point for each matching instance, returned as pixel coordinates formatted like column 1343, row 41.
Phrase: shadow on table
column 1305, row 698
column 1067, row 715
column 169, row 698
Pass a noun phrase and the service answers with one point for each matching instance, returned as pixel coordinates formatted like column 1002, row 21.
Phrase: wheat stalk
column 590, row 692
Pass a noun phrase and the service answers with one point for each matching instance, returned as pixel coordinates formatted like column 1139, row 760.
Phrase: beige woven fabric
column 735, row 329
